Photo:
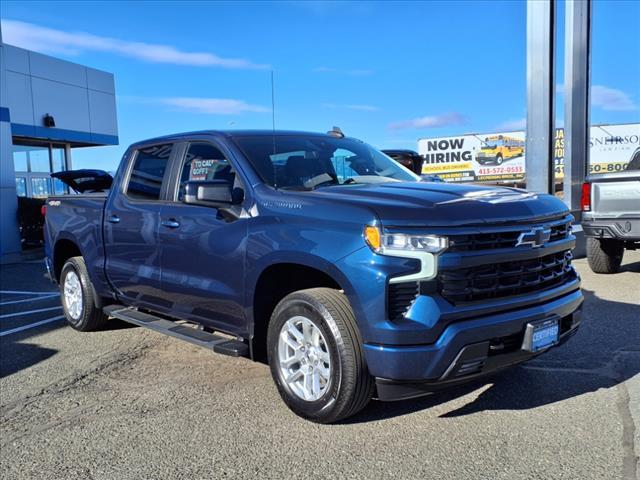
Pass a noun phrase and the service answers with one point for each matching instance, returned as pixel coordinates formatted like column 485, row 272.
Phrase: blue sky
column 388, row 73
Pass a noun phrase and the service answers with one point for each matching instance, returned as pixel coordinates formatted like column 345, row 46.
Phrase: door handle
column 171, row 223
column 113, row 219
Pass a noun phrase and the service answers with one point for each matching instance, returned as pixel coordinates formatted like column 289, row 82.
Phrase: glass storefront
column 39, row 159
column 21, row 186
column 58, row 158
column 40, row 187
column 33, row 162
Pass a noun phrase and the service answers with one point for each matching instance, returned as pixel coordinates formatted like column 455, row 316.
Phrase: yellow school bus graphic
column 499, row 148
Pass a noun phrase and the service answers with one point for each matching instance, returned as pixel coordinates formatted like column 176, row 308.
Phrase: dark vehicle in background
column 407, row 158
column 317, row 253
column 31, row 221
column 85, row 180
column 611, row 216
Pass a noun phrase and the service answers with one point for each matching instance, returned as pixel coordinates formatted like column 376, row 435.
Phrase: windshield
column 307, row 162
column 491, row 143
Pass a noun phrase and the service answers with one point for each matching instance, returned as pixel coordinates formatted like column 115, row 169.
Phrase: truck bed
column 78, row 219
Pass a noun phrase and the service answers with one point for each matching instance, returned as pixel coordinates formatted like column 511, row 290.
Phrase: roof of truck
column 232, row 133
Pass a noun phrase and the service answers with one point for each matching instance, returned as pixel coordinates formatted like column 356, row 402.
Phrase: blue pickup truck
column 351, row 277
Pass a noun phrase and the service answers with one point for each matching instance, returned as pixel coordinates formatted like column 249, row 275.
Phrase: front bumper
column 627, row 229
column 465, row 350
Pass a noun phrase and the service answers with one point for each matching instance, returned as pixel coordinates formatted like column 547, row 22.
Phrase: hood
column 85, row 180
column 444, row 204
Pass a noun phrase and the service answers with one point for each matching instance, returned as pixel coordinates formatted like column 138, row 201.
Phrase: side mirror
column 209, row 192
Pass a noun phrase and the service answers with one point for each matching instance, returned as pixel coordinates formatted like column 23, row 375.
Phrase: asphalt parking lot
column 126, row 403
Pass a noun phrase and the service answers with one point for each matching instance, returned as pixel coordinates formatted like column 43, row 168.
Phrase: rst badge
column 536, row 237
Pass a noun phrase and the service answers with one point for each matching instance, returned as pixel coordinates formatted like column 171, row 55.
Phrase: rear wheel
column 78, row 297
column 604, row 255
column 316, row 356
column 499, row 159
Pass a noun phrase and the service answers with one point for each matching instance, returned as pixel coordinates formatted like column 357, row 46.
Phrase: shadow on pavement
column 16, row 354
column 604, row 353
column 116, row 324
column 631, row 267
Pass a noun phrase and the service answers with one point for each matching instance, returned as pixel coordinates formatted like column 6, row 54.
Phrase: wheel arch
column 278, row 279
column 64, row 248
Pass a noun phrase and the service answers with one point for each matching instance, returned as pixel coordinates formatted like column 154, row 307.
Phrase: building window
column 20, row 158
column 33, row 161
column 59, row 188
column 21, row 186
column 58, row 158
column 40, row 187
column 39, row 159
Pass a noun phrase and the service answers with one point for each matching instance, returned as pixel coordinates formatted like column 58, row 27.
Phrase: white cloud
column 509, row 125
column 211, row 106
column 49, row 40
column 357, row 72
column 607, row 98
column 435, row 121
column 611, row 99
column 363, row 108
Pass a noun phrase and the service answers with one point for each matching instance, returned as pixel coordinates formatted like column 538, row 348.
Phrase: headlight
column 421, row 247
column 403, row 242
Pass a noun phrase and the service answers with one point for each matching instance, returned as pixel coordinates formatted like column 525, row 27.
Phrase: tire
column 604, row 255
column 346, row 386
column 498, row 159
column 77, row 296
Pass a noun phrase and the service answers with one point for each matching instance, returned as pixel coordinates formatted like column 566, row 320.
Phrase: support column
column 10, row 245
column 576, row 100
column 540, row 95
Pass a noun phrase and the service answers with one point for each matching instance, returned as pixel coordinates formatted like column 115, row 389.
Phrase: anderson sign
column 501, row 156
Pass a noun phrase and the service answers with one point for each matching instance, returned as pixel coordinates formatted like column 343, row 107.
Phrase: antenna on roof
column 273, row 129
column 336, row 132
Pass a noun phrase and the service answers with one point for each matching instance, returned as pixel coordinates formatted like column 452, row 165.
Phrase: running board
column 217, row 343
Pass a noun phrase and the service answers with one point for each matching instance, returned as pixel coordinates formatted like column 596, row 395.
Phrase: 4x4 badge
column 536, row 237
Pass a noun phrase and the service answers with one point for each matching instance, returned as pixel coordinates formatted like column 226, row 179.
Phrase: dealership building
column 48, row 107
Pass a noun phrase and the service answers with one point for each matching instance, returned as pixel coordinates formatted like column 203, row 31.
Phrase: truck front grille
column 506, row 239
column 400, row 296
column 470, row 284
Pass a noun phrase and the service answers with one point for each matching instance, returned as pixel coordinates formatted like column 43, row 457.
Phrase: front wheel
column 316, row 356
column 78, row 297
column 499, row 159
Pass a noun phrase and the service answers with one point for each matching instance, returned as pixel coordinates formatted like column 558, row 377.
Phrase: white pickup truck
column 611, row 216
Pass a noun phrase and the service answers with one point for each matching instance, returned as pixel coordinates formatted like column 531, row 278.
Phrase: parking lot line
column 20, row 292
column 16, row 314
column 31, row 325
column 32, row 299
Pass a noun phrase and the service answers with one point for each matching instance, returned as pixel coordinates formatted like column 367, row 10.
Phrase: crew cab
column 610, row 205
column 318, row 254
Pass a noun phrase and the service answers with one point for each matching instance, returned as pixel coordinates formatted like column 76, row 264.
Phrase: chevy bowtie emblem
column 536, row 237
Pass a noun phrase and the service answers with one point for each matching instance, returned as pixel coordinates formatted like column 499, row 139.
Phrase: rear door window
column 149, row 168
